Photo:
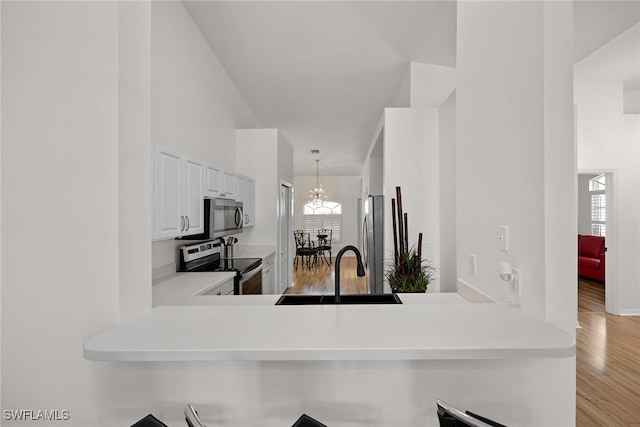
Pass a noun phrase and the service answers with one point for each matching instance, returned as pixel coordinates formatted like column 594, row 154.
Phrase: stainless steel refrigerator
column 373, row 241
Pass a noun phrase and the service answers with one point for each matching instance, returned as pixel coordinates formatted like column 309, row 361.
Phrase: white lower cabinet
column 269, row 276
column 225, row 288
column 179, row 187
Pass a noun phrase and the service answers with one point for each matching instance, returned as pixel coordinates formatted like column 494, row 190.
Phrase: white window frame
column 597, row 189
column 312, row 220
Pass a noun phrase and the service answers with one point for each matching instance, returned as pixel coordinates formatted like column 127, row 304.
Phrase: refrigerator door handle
column 365, row 242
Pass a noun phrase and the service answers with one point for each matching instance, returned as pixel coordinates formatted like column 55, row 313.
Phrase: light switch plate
column 472, row 264
column 503, row 238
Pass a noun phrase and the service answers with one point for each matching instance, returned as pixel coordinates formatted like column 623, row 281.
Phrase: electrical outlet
column 472, row 264
column 516, row 282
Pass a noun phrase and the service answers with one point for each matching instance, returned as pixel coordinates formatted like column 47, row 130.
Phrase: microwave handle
column 238, row 217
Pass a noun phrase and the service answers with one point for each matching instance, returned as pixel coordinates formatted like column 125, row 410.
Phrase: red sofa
column 591, row 261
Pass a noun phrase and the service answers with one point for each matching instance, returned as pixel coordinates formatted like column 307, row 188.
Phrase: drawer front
column 268, row 262
column 224, row 289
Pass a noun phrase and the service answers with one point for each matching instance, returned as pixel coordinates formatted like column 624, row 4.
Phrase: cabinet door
column 213, row 180
column 250, row 202
column 268, row 281
column 193, row 191
column 241, row 188
column 168, row 218
column 229, row 185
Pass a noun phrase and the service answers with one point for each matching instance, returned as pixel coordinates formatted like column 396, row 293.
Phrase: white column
column 134, row 158
column 560, row 174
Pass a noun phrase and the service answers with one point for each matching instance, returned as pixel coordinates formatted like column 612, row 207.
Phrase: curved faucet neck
column 360, row 267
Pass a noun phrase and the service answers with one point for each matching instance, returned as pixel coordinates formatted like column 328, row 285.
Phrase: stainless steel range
column 207, row 257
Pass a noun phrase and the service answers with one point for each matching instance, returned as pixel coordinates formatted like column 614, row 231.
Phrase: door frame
column 286, row 222
column 612, row 303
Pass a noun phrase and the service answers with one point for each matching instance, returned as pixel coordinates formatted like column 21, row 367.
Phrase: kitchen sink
column 344, row 299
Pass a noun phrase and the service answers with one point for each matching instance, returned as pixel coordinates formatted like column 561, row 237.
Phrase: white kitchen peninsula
column 374, row 365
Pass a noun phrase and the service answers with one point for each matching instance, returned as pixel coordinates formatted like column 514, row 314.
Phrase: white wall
column 134, row 110
column 584, row 204
column 411, row 161
column 608, row 140
column 431, row 84
column 267, row 156
column 76, row 145
column 516, row 158
column 447, row 130
column 60, row 82
column 514, row 115
column 195, row 105
column 341, row 189
column 499, row 147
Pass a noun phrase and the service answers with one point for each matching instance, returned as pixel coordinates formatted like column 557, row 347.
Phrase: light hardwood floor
column 320, row 280
column 607, row 348
column 608, row 363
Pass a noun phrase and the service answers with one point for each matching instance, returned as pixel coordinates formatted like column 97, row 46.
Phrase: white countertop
column 256, row 251
column 184, row 288
column 258, row 330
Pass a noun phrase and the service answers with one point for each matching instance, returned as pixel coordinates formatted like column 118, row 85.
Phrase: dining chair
column 305, row 247
column 325, row 236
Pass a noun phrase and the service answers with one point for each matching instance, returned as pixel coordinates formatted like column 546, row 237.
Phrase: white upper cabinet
column 241, row 189
column 250, row 203
column 180, row 184
column 193, row 191
column 247, row 195
column 213, row 180
column 229, row 190
column 178, row 194
column 220, row 183
column 168, row 219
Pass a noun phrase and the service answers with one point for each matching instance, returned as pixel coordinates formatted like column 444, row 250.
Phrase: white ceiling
column 322, row 72
column 618, row 60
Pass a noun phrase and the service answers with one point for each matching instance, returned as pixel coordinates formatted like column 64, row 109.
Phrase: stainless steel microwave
column 222, row 217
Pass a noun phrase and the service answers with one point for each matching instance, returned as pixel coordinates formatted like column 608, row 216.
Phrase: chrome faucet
column 360, row 271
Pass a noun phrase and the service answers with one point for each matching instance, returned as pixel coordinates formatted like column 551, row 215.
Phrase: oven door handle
column 249, row 274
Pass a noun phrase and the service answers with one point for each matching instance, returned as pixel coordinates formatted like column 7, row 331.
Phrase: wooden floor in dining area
column 608, row 362
column 320, row 279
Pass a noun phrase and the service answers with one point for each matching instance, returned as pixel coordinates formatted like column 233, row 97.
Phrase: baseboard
column 472, row 294
column 630, row 312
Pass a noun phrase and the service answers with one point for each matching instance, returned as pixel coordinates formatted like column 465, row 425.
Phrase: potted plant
column 408, row 272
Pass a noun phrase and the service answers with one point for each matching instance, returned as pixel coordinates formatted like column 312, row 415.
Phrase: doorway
column 285, row 220
column 597, row 216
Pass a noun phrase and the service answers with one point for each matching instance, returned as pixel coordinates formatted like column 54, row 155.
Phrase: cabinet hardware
column 181, row 222
column 188, row 223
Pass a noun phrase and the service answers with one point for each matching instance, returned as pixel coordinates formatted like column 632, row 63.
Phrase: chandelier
column 317, row 196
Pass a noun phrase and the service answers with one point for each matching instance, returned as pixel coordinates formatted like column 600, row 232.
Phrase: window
column 327, row 215
column 597, row 188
